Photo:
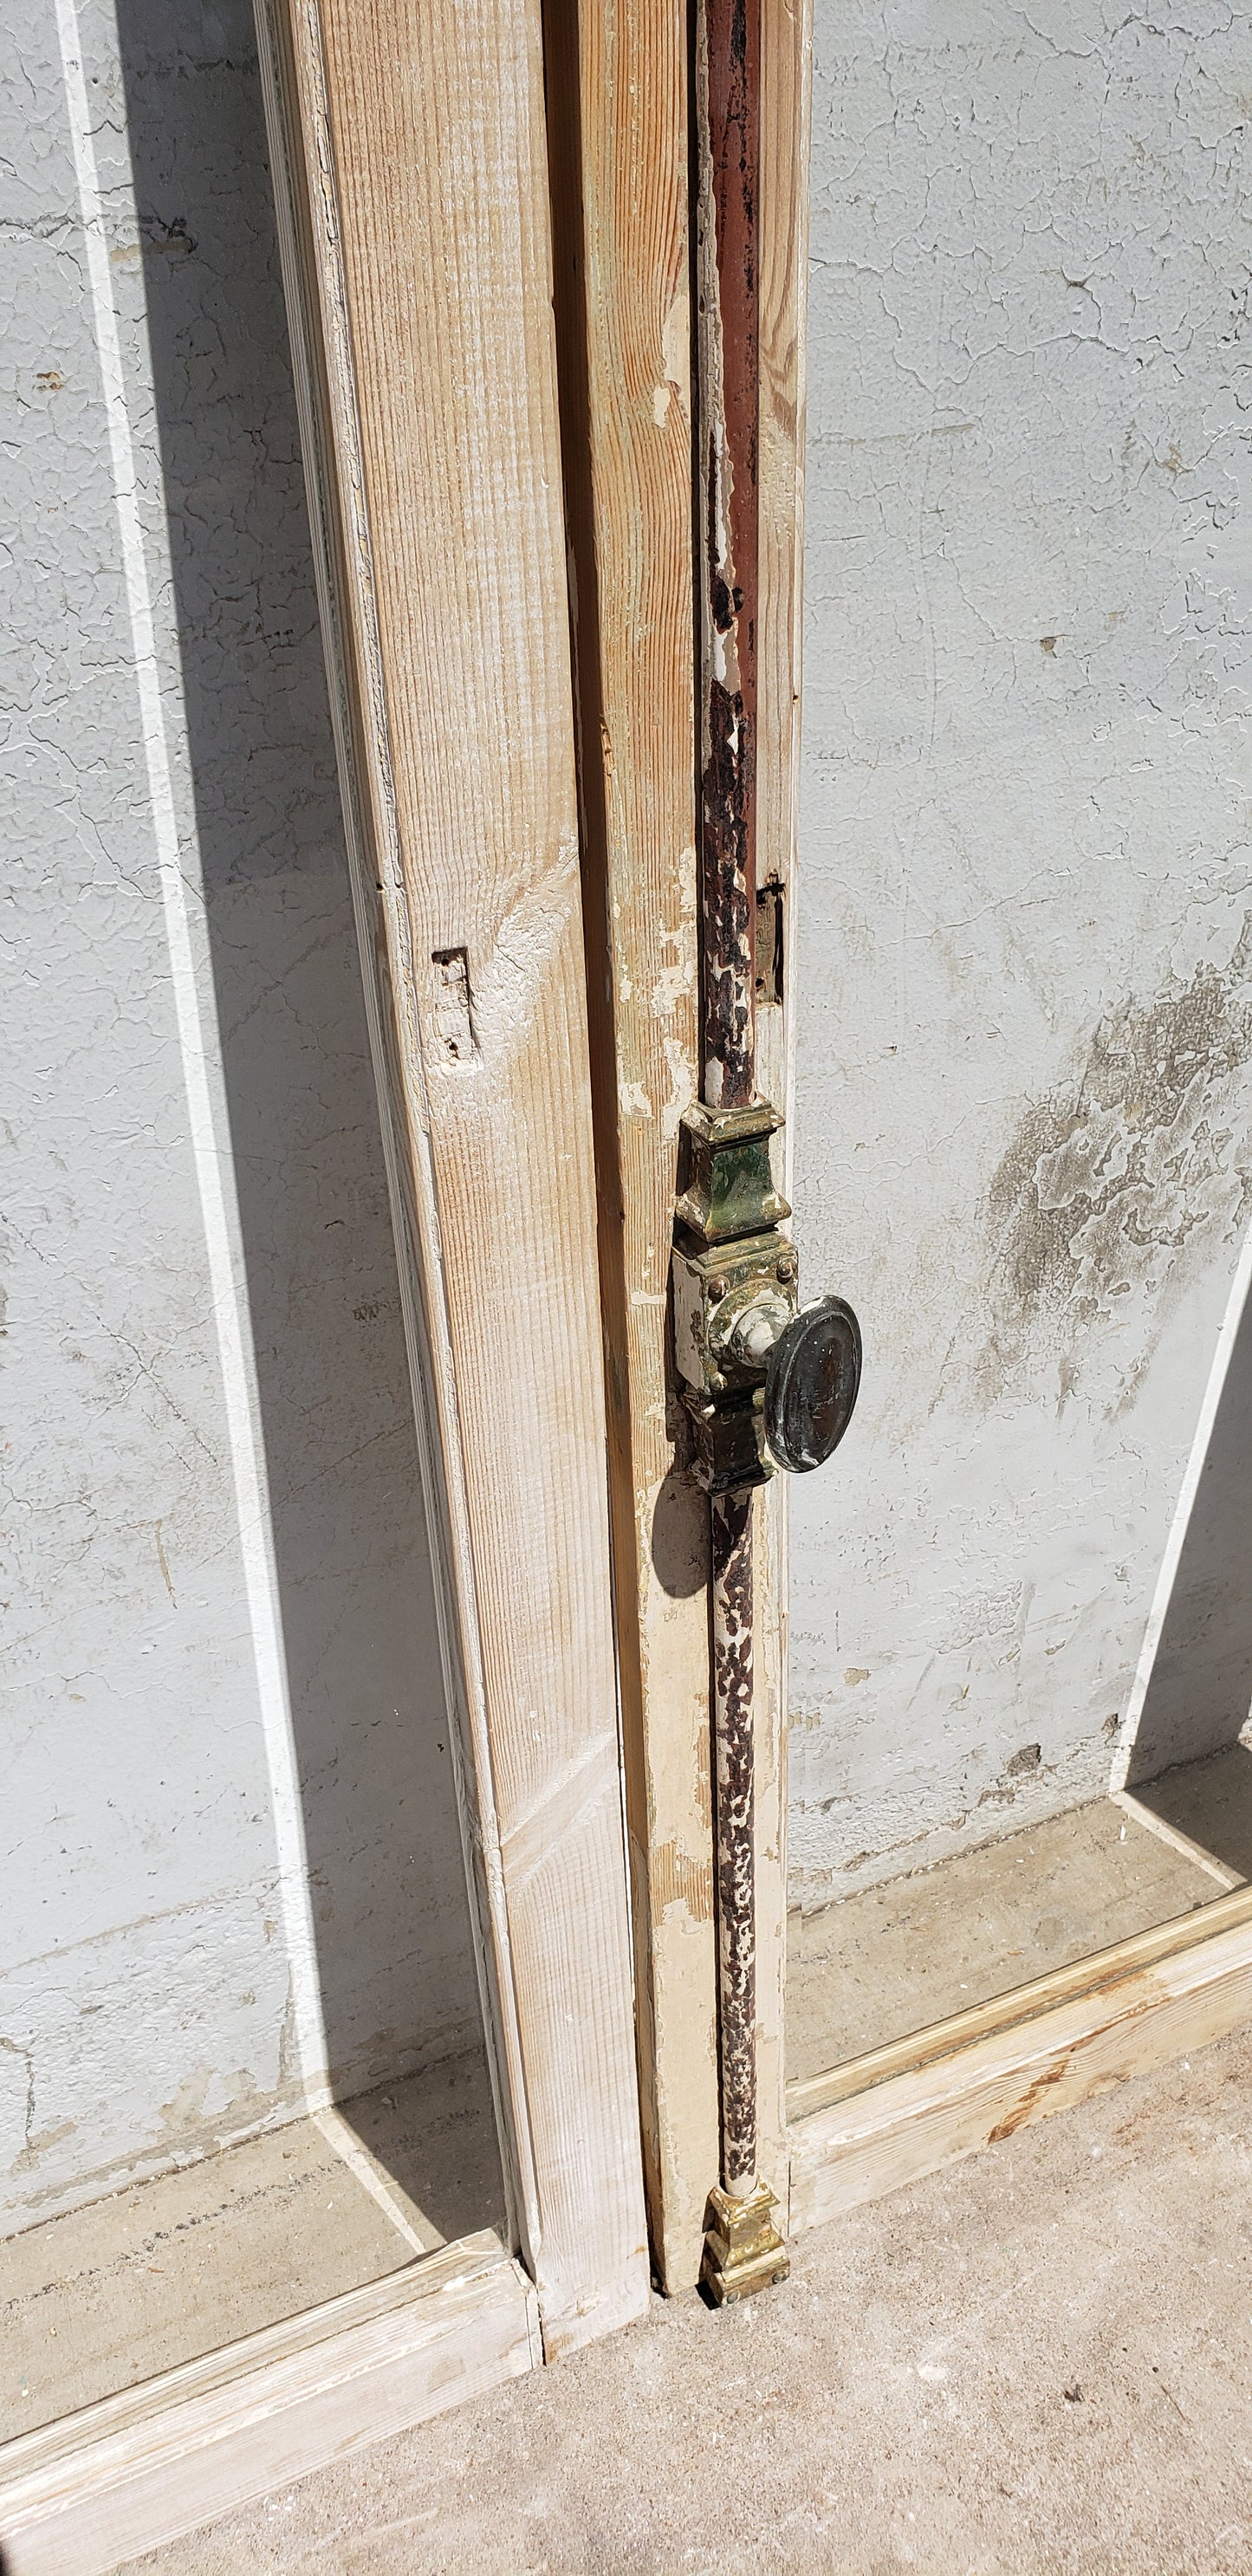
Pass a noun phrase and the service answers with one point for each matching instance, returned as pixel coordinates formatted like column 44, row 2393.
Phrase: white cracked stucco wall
column 1024, row 1064
column 220, row 1642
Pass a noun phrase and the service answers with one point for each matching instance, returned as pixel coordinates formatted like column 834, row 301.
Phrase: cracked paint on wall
column 1024, row 1033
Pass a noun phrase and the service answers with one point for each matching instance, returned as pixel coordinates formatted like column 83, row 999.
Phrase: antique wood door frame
column 620, row 145
column 441, row 177
column 486, row 219
column 447, row 181
column 410, row 174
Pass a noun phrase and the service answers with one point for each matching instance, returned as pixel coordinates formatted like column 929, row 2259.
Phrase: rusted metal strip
column 728, row 48
column 742, row 2250
column 735, row 1819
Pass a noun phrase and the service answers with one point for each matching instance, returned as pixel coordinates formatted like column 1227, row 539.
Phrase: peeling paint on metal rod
column 728, row 133
column 728, row 94
column 735, row 1819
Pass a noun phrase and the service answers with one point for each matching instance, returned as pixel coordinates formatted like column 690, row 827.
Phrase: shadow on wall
column 392, row 1919
column 1199, row 1690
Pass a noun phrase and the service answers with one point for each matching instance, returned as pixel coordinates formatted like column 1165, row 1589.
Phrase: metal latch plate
column 714, row 1293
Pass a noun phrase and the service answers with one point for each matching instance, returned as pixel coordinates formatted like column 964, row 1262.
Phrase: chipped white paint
column 1025, row 976
column 220, row 1633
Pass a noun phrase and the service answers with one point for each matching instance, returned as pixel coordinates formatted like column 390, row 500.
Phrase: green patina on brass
column 730, row 1190
column 732, row 1209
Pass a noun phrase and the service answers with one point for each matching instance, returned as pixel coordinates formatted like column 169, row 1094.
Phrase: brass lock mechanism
column 730, row 1305
column 766, row 1383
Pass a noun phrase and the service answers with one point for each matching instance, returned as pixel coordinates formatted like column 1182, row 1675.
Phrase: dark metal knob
column 811, row 1382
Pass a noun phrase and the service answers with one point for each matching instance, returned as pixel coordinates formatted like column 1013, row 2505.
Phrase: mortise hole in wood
column 768, row 962
column 454, row 1018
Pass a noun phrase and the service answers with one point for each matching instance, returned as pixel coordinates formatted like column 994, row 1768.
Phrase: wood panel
column 410, row 165
column 618, row 138
column 130, row 2474
column 1004, row 2012
column 619, row 145
column 909, row 2125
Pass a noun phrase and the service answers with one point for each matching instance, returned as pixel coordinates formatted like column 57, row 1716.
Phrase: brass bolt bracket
column 734, row 1278
column 729, row 1187
column 734, row 1289
column 743, row 2250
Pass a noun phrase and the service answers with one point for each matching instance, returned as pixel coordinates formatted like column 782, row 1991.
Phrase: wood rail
column 410, row 167
column 117, row 2479
column 619, row 145
column 617, row 110
column 975, row 2080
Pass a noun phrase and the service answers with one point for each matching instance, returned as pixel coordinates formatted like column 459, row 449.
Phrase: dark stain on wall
column 1110, row 1178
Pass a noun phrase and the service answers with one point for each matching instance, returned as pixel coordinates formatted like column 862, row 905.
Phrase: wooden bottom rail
column 82, row 2496
column 1152, row 1998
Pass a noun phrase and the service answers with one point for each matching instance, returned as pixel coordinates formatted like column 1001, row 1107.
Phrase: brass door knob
column 812, row 1378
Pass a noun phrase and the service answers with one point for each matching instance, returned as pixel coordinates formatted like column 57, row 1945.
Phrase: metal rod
column 727, row 87
column 728, row 150
column 734, row 1824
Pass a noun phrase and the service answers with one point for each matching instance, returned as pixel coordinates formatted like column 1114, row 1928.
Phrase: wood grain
column 1004, row 2012
column 410, row 146
column 617, row 89
column 619, row 148
column 130, row 2474
column 908, row 2126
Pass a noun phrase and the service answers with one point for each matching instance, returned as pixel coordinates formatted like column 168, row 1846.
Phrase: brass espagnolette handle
column 768, row 1384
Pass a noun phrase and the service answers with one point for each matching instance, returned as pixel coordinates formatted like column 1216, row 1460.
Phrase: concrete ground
column 1038, row 2360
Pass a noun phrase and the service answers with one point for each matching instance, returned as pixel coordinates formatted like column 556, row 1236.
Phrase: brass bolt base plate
column 742, row 2251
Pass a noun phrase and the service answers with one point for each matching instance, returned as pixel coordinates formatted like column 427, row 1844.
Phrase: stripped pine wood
column 136, row 2471
column 619, row 150
column 912, row 2123
column 982, row 2021
column 786, row 65
column 425, row 364
column 617, row 92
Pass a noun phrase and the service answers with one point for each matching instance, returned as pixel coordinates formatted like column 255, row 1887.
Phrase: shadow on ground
column 1210, row 1802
